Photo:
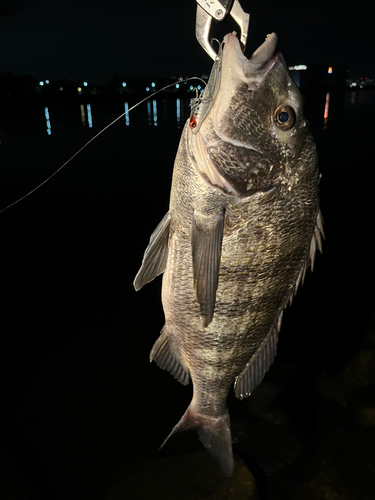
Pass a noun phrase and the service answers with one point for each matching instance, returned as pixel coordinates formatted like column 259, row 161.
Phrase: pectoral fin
column 156, row 254
column 207, row 236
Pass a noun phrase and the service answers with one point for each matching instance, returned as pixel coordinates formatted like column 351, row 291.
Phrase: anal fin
column 207, row 236
column 165, row 360
column 156, row 254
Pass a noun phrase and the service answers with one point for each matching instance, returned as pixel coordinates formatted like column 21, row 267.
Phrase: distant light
column 152, row 84
column 148, row 89
column 124, row 84
column 330, row 70
column 85, row 84
column 79, row 90
column 199, row 87
column 191, row 87
column 41, row 84
column 47, row 82
column 177, row 86
column 298, row 67
column 61, row 88
column 353, row 84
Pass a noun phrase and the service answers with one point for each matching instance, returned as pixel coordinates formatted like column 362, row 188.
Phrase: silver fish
column 242, row 228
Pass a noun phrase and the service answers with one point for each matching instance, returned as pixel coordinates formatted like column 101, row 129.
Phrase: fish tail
column 214, row 433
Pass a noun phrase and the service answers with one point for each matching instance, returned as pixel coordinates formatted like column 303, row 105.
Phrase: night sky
column 92, row 39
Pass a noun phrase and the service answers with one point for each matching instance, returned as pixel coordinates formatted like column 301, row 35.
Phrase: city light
column 191, row 87
column 47, row 82
column 79, row 90
column 152, row 84
column 124, row 84
column 298, row 67
column 147, row 89
column 199, row 87
column 330, row 70
column 85, row 84
column 177, row 86
column 41, row 84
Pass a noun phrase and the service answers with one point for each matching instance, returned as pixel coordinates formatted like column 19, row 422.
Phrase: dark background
column 83, row 408
column 91, row 40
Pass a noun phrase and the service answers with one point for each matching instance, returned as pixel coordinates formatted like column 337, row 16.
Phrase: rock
column 344, row 469
column 272, row 447
column 361, row 403
column 195, row 476
column 358, row 372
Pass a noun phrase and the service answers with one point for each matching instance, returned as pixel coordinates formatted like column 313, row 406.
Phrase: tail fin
column 214, row 433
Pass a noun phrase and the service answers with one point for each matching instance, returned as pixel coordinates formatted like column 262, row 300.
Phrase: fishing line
column 96, row 136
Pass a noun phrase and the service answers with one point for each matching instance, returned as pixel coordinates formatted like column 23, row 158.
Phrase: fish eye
column 284, row 117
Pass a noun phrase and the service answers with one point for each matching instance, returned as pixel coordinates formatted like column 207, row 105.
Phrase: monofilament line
column 96, row 136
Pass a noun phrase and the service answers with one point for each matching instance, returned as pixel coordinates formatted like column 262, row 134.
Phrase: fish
column 242, row 228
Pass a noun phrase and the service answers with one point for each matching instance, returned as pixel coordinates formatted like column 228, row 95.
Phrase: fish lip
column 259, row 63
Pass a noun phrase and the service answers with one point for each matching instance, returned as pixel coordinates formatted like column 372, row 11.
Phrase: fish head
column 253, row 135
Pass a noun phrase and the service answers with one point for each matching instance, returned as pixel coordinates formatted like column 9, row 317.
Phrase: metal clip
column 218, row 10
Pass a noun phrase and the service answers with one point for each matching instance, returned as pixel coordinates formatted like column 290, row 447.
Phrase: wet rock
column 264, row 404
column 358, row 372
column 195, row 476
column 272, row 447
column 361, row 404
column 344, row 469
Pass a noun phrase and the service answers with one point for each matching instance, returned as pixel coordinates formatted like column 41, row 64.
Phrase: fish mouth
column 260, row 62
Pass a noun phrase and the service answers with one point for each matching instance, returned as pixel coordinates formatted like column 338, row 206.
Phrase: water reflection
column 127, row 121
column 155, row 111
column 152, row 113
column 174, row 111
column 178, row 112
column 48, row 122
column 83, row 115
column 326, row 110
column 89, row 115
column 149, row 114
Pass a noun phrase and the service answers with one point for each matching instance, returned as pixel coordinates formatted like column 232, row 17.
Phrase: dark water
column 83, row 406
